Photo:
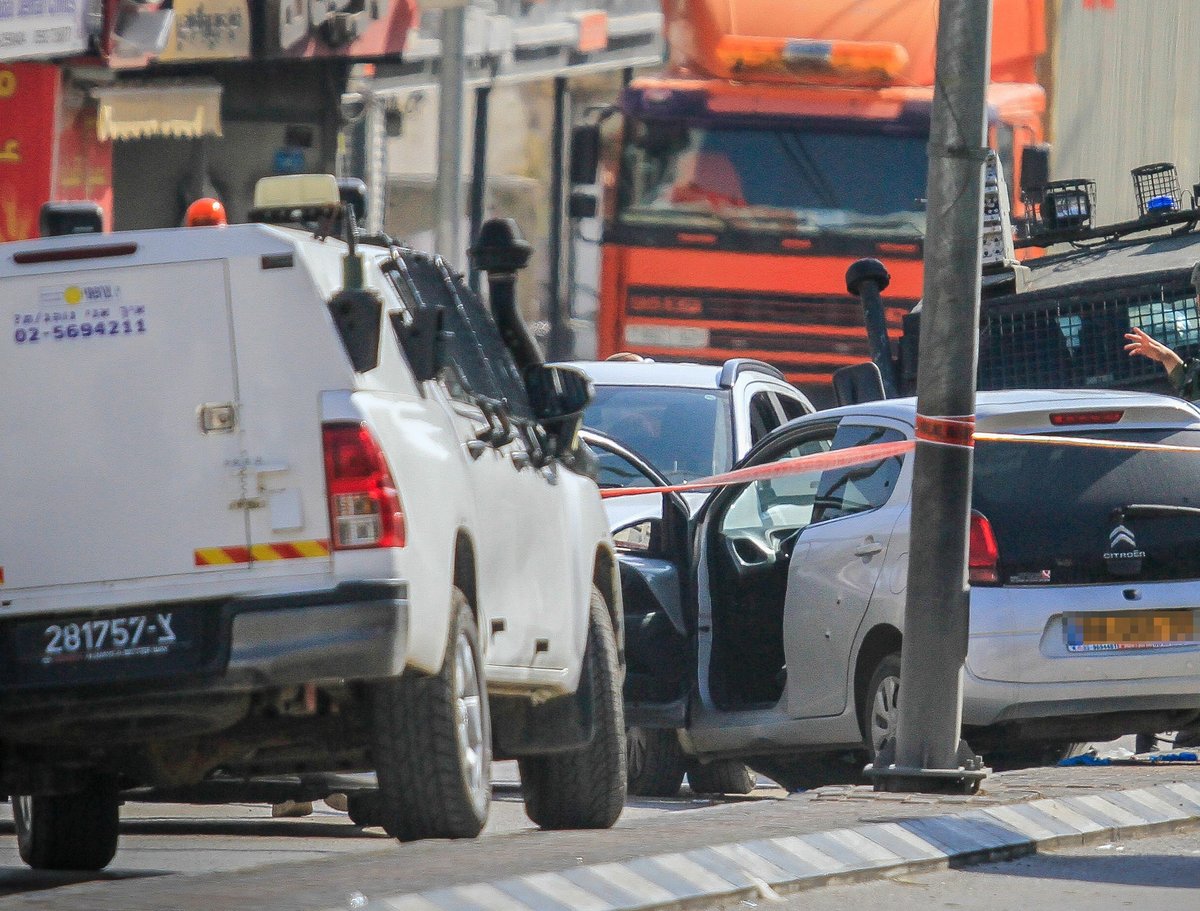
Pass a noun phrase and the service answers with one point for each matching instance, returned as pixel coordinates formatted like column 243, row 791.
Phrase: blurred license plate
column 1143, row 629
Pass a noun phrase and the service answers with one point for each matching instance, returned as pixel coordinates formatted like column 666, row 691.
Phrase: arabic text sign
column 41, row 29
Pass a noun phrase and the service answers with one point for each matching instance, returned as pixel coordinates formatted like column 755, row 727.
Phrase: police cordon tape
column 876, row 452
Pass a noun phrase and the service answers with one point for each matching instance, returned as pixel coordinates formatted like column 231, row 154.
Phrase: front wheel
column 655, row 762
column 585, row 788
column 432, row 742
column 722, row 776
column 68, row 831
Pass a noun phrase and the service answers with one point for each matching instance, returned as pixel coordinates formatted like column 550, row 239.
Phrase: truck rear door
column 120, row 431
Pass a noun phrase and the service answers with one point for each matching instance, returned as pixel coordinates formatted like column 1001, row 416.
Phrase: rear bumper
column 354, row 631
column 1070, row 705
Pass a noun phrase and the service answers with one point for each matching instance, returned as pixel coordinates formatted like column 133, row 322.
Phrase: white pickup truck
column 275, row 503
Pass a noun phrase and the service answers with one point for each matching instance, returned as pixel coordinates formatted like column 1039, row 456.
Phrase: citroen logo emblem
column 1121, row 535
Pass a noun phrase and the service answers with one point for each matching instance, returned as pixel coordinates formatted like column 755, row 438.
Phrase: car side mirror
column 559, row 395
column 858, row 383
column 422, row 341
column 357, row 312
column 585, row 153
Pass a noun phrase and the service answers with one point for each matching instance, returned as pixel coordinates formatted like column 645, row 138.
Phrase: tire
column 880, row 706
column 68, row 831
column 435, row 772
column 723, row 776
column 585, row 788
column 363, row 808
column 655, row 762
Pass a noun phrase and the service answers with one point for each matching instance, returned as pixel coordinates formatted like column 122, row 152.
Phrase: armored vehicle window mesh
column 462, row 348
column 1071, row 342
column 499, row 358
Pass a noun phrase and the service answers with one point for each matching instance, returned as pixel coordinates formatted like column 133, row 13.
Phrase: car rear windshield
column 684, row 433
column 1052, row 509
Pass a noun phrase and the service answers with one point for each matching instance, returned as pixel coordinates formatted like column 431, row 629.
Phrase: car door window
column 763, row 418
column 776, row 508
column 858, row 488
column 792, row 407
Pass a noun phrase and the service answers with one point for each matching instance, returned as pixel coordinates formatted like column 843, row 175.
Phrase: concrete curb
column 762, row 869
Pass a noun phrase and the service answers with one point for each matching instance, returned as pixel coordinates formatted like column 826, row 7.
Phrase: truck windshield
column 773, row 179
column 684, row 433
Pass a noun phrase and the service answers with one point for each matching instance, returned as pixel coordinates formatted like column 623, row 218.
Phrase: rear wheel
column 722, row 776
column 68, row 831
column 655, row 762
column 881, row 706
column 432, row 742
column 585, row 788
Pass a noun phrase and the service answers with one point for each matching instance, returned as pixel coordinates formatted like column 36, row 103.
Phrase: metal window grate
column 1080, row 343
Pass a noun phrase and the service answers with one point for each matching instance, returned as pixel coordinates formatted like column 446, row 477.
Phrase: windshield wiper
column 1153, row 511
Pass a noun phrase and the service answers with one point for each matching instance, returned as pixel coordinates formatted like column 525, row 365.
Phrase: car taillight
column 983, row 554
column 364, row 506
column 1075, row 418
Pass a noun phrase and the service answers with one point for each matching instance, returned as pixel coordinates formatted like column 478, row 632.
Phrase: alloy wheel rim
column 468, row 711
column 884, row 711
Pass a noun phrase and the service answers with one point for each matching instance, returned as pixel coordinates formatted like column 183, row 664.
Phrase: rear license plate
column 1143, row 629
column 112, row 647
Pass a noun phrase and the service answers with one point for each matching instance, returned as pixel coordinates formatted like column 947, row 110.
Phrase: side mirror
column 858, row 383
column 356, row 313
column 559, row 395
column 1035, row 167
column 422, row 341
column 585, row 153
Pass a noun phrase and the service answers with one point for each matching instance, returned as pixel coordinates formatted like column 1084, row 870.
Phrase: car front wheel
column 585, row 788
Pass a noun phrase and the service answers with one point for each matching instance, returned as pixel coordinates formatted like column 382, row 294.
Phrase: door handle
column 476, row 448
column 867, row 548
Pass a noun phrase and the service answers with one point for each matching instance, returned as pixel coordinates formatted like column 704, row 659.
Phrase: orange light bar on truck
column 843, row 62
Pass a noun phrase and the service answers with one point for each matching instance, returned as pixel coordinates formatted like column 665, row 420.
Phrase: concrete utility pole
column 927, row 753
column 448, row 198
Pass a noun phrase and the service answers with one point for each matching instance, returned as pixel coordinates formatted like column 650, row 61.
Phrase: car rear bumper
column 355, row 630
column 989, row 702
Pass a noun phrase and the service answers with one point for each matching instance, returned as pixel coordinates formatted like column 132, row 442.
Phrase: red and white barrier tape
column 819, row 461
column 861, row 455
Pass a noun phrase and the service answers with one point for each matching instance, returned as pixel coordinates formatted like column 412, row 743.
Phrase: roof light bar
column 846, row 62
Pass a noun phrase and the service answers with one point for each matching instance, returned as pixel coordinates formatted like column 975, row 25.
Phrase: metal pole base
column 886, row 775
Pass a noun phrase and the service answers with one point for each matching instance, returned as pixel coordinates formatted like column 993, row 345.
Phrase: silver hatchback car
column 1084, row 573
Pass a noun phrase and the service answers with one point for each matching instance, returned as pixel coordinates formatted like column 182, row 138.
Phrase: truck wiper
column 1153, row 511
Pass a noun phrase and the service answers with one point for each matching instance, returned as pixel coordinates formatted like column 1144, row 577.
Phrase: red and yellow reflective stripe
column 260, row 553
column 1, row 575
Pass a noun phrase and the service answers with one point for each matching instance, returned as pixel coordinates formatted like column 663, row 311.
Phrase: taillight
column 1075, row 418
column 983, row 554
column 364, row 507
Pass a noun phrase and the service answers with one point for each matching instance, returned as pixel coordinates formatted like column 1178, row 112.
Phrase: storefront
column 49, row 147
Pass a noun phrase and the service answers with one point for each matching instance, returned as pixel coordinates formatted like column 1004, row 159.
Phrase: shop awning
column 169, row 108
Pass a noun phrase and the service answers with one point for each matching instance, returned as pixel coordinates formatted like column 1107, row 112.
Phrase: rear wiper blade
column 1152, row 511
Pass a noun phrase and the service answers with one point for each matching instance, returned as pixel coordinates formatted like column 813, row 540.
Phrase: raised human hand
column 1138, row 343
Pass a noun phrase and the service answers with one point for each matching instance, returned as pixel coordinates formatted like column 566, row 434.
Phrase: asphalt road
column 188, row 858
column 1161, row 872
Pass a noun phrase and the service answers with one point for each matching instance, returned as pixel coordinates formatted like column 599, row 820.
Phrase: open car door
column 652, row 533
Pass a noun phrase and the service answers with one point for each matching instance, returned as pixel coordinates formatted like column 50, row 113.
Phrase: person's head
column 629, row 356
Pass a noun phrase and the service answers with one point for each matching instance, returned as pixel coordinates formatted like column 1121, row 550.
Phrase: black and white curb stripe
column 760, row 869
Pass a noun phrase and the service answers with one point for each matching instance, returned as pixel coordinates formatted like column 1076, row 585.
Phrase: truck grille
column 806, row 337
